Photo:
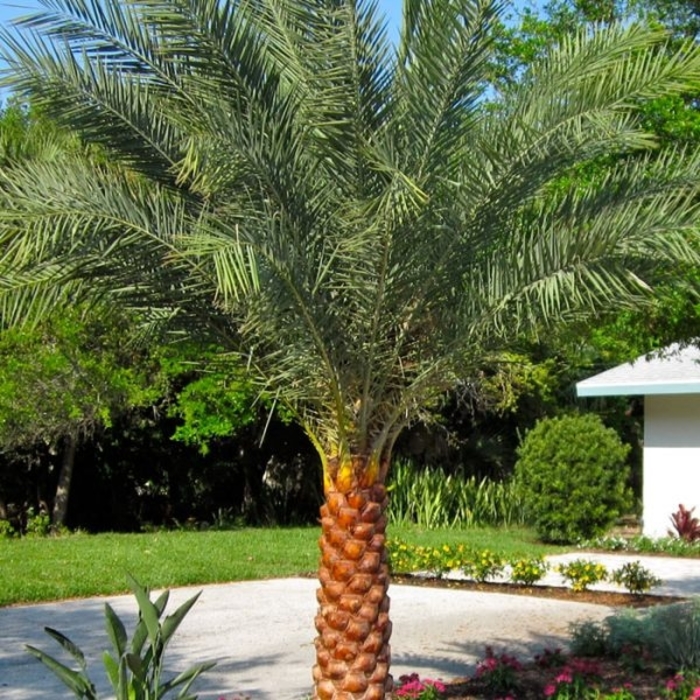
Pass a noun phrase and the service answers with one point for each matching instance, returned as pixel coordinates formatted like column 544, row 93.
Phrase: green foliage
column 432, row 499
column 645, row 545
column 582, row 573
column 134, row 668
column 589, row 639
column 67, row 376
column 673, row 119
column 635, row 578
column 510, row 376
column 572, row 477
column 214, row 396
column 38, row 524
column 27, row 134
column 6, row 529
column 363, row 291
column 676, row 634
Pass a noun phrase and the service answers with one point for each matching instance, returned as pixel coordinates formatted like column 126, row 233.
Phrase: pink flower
column 564, row 677
column 695, row 694
column 549, row 690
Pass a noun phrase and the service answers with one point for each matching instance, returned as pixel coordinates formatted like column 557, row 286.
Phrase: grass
column 80, row 565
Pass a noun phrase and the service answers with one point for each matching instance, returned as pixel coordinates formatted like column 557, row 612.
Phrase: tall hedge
column 572, row 475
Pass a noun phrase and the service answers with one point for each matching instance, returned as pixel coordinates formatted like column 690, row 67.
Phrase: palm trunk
column 65, row 477
column 352, row 649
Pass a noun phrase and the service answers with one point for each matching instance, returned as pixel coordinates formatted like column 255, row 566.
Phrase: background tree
column 63, row 380
column 347, row 216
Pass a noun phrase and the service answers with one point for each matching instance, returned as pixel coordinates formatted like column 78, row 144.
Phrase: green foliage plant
column 134, row 668
column 432, row 499
column 528, row 571
column 572, row 475
column 675, row 634
column 38, row 524
column 589, row 639
column 581, row 574
column 636, row 578
column 664, row 635
column 7, row 529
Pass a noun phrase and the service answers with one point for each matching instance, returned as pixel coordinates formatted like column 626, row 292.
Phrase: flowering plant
column 573, row 681
column 685, row 685
column 498, row 672
column 484, row 565
column 581, row 573
column 411, row 686
column 528, row 571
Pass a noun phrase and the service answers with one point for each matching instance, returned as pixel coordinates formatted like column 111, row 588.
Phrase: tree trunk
column 65, row 476
column 352, row 649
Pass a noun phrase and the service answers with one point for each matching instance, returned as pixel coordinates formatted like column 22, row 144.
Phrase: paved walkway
column 261, row 632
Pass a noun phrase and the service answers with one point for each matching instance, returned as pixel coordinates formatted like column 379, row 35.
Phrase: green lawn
column 41, row 569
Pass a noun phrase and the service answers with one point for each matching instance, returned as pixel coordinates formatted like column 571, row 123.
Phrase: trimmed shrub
column 572, row 477
column 668, row 635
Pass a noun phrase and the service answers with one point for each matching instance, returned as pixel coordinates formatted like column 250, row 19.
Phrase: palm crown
column 349, row 214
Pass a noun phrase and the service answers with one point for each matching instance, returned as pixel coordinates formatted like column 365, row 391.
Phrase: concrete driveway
column 261, row 634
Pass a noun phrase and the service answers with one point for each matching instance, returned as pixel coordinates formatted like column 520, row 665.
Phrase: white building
column 670, row 384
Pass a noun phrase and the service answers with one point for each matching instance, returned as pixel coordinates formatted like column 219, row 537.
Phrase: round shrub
column 572, row 476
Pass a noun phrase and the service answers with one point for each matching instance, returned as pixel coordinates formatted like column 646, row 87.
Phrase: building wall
column 671, row 459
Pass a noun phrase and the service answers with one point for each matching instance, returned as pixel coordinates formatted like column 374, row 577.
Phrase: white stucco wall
column 671, row 459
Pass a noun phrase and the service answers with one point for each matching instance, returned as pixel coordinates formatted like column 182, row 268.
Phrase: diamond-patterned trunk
column 352, row 649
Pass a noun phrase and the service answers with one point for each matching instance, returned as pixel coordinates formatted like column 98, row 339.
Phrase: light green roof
column 673, row 370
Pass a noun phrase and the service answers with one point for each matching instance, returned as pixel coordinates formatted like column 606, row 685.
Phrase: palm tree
column 346, row 214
